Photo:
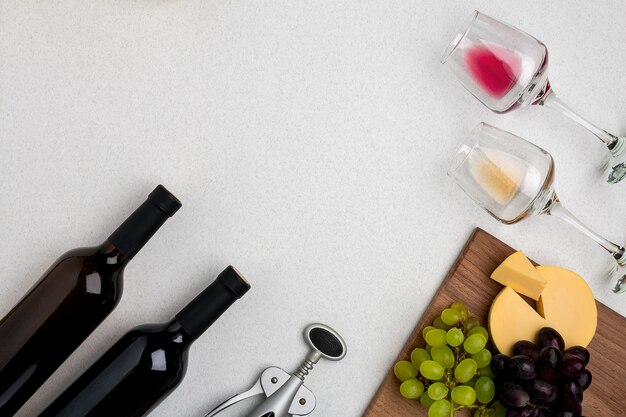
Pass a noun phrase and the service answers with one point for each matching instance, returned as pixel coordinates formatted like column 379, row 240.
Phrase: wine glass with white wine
column 512, row 179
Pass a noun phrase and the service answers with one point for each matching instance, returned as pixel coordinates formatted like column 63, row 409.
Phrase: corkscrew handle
column 324, row 343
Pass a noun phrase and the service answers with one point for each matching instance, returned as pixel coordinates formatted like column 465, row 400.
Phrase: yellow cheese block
column 520, row 274
column 512, row 319
column 566, row 304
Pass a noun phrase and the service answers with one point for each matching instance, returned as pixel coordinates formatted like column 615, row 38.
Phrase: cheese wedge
column 567, row 301
column 566, row 304
column 519, row 273
column 512, row 319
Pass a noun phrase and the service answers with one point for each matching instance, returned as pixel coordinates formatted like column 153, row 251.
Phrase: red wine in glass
column 495, row 70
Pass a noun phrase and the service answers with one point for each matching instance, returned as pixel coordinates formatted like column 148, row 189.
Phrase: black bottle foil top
column 211, row 303
column 143, row 223
column 164, row 200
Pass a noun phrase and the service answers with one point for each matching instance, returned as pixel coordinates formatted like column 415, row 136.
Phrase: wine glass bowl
column 503, row 67
column 506, row 68
column 512, row 179
column 506, row 175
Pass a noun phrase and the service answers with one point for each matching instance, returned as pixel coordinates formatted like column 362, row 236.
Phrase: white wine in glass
column 512, row 179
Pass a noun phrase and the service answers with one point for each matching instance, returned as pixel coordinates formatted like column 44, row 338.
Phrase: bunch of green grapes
column 452, row 371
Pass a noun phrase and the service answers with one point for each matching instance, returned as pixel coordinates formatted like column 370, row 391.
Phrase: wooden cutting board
column 469, row 282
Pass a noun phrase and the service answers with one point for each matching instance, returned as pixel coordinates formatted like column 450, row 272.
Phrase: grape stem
column 450, row 384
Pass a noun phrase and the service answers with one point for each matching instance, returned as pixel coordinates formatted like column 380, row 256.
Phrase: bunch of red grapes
column 543, row 379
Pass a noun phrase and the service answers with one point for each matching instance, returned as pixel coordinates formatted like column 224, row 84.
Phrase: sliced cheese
column 568, row 303
column 519, row 273
column 512, row 319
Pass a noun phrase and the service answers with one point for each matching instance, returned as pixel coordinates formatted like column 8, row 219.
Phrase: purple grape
column 549, row 363
column 575, row 411
column 550, row 337
column 567, row 413
column 543, row 412
column 571, row 365
column 581, row 352
column 542, row 392
column 499, row 365
column 583, row 379
column 571, row 395
column 522, row 367
column 526, row 348
column 528, row 411
column 513, row 394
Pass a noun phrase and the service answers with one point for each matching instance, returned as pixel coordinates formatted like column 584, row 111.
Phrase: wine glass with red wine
column 506, row 68
column 512, row 179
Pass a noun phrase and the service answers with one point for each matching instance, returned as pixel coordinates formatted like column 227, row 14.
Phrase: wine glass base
column 618, row 173
column 616, row 167
column 617, row 276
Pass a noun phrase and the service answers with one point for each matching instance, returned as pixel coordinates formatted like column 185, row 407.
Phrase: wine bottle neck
column 111, row 257
column 211, row 303
column 143, row 223
column 178, row 335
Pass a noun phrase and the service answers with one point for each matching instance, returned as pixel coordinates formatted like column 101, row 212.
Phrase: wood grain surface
column 469, row 282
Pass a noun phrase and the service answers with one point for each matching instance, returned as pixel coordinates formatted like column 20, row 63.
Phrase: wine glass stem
column 555, row 208
column 614, row 143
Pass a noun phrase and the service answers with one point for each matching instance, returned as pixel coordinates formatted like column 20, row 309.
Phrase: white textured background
column 308, row 142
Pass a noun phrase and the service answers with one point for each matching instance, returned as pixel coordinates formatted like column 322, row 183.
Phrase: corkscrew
column 285, row 394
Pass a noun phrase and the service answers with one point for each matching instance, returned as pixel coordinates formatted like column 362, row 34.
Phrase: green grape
column 479, row 329
column 411, row 388
column 428, row 348
column 486, row 371
column 404, row 370
column 440, row 408
column 426, row 330
column 418, row 356
column 450, row 316
column 438, row 391
column 461, row 308
column 474, row 343
column 438, row 323
column 499, row 409
column 464, row 395
column 482, row 358
column 431, row 370
column 471, row 322
column 455, row 337
column 485, row 389
column 465, row 370
column 425, row 400
column 436, row 337
column 443, row 355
